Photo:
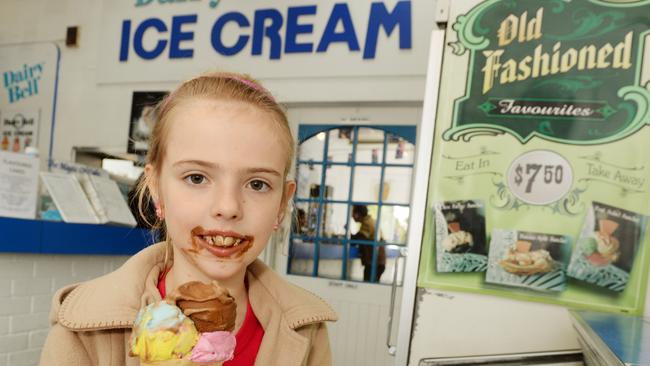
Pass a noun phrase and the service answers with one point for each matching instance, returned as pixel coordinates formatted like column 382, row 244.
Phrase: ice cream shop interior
column 472, row 178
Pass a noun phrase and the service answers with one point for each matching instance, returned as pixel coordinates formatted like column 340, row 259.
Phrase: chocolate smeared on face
column 222, row 244
column 195, row 245
column 210, row 306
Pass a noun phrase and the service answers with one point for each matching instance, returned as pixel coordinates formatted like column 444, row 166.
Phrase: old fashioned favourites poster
column 540, row 180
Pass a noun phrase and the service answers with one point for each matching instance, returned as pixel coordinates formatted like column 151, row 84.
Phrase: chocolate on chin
column 210, row 306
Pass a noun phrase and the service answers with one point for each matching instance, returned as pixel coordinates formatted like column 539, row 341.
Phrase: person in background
column 217, row 174
column 300, row 221
column 367, row 232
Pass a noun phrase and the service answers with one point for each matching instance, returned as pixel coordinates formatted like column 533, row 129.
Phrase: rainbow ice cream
column 163, row 335
column 162, row 332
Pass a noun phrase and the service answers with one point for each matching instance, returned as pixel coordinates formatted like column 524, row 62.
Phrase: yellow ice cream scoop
column 162, row 332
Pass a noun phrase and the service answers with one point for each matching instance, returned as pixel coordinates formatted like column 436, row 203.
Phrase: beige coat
column 91, row 322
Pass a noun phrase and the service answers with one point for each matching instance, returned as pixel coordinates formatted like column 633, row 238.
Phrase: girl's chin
column 221, row 269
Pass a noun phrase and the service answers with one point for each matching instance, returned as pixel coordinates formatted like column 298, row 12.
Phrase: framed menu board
column 540, row 181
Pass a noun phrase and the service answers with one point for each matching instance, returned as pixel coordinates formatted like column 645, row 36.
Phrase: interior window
column 352, row 201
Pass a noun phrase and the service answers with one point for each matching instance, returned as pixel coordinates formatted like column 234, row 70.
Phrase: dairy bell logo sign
column 22, row 83
column 565, row 71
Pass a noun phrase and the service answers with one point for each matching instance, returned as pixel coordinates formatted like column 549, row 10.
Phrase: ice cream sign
column 562, row 71
column 18, row 129
column 266, row 32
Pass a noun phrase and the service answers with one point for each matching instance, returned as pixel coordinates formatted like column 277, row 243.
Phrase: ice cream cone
column 453, row 226
column 177, row 362
column 607, row 226
column 210, row 306
column 523, row 246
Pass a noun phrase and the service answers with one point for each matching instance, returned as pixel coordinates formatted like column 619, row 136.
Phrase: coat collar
column 270, row 292
column 112, row 301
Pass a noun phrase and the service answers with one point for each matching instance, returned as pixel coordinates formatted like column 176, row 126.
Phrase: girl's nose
column 226, row 203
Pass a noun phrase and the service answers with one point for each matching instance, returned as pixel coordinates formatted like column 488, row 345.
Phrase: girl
column 217, row 170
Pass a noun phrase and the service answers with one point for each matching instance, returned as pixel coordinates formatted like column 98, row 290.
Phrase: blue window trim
column 330, row 163
column 405, row 131
column 307, row 131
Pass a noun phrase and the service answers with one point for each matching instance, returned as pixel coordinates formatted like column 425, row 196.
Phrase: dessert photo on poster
column 536, row 261
column 143, row 109
column 607, row 246
column 19, row 129
column 460, row 236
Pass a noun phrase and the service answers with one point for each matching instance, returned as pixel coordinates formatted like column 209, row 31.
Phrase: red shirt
column 249, row 337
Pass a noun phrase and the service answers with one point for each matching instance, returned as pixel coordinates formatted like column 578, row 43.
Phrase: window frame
column 305, row 132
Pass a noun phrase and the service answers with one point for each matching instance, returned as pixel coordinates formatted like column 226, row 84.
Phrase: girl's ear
column 151, row 180
column 288, row 192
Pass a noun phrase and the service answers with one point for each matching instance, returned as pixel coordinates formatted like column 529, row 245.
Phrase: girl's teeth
column 218, row 240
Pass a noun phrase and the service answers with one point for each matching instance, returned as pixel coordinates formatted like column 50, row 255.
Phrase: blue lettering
column 178, row 35
column 340, row 13
column 19, row 92
column 266, row 24
column 7, row 75
column 380, row 17
column 160, row 26
column 272, row 31
column 124, row 42
column 294, row 29
column 218, row 45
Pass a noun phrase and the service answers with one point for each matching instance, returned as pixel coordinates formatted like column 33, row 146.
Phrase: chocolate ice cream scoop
column 210, row 306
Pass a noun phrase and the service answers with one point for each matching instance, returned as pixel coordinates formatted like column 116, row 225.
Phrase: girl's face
column 221, row 185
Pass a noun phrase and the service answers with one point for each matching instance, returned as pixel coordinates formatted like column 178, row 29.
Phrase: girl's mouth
column 226, row 245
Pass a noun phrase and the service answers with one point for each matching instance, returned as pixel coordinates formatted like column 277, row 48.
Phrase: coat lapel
column 278, row 336
column 282, row 308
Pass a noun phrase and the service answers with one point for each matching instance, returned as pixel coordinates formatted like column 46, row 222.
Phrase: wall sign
column 268, row 24
column 565, row 71
column 18, row 185
column 540, row 180
column 287, row 37
column 19, row 129
column 28, row 88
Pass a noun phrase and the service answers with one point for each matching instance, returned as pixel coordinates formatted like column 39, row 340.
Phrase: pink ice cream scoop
column 213, row 347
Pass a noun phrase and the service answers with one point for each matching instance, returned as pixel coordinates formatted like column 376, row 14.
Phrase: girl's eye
column 195, row 179
column 259, row 185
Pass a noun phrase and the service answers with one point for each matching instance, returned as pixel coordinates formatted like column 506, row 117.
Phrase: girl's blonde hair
column 222, row 86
